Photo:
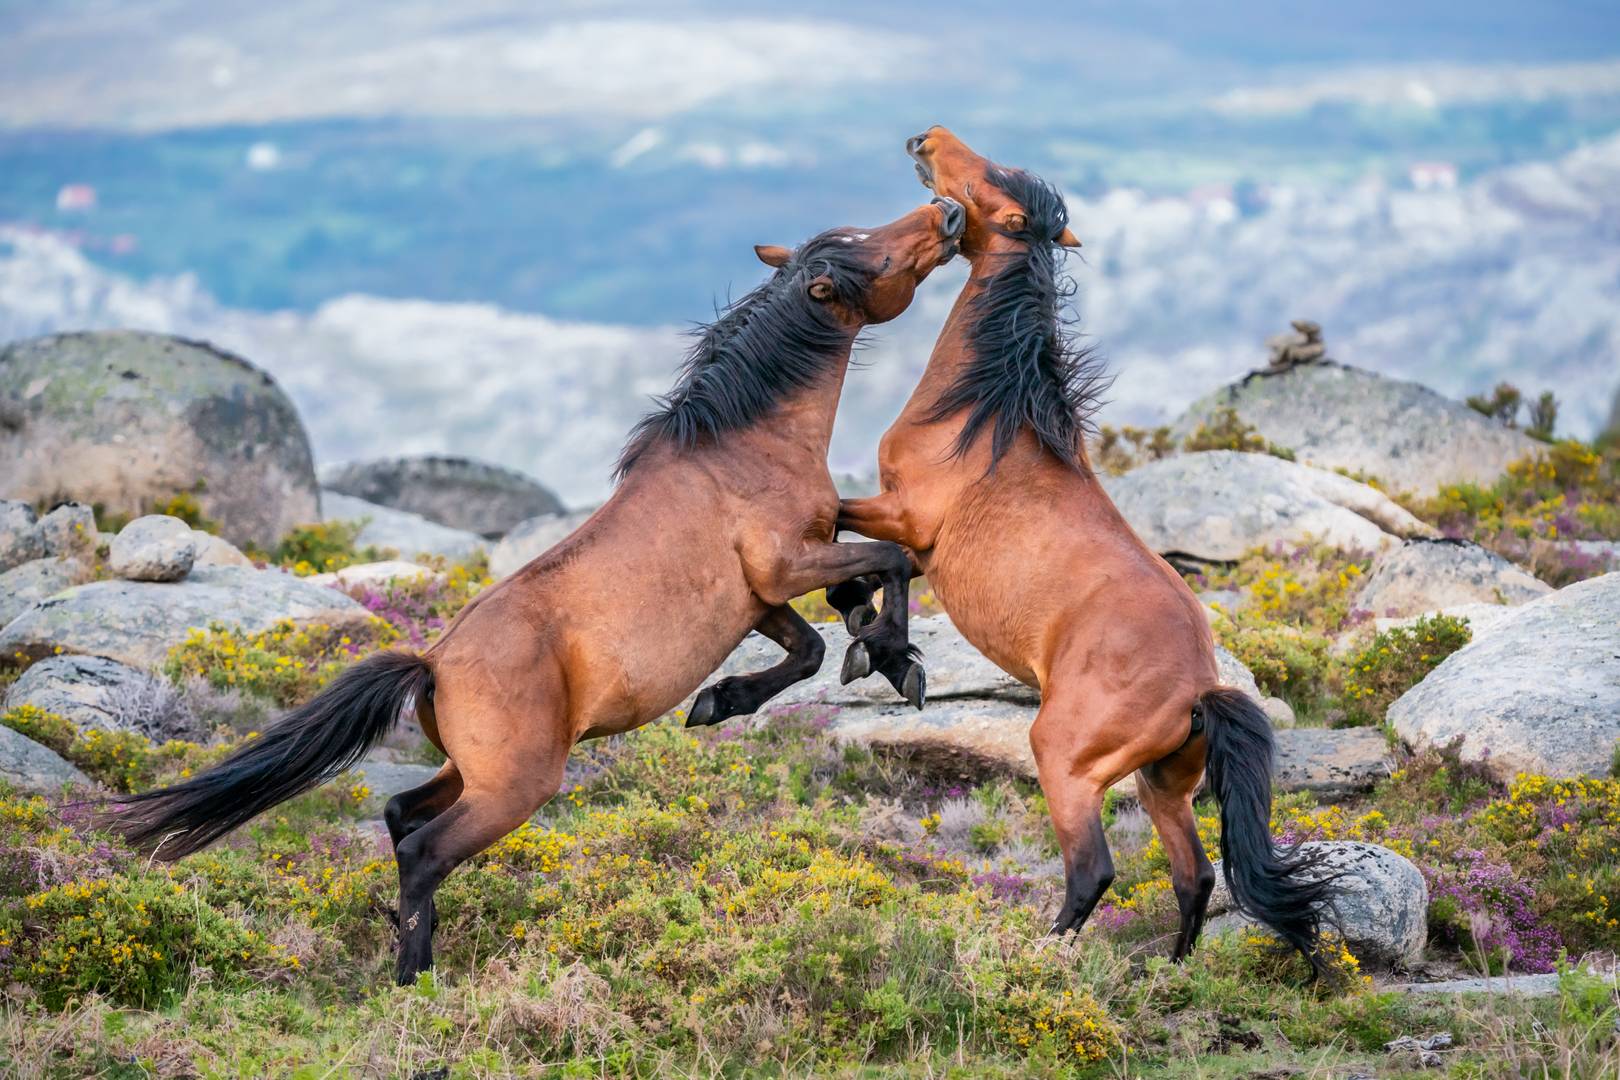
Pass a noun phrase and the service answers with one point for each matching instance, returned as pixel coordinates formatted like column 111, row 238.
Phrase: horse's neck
column 951, row 353
column 805, row 420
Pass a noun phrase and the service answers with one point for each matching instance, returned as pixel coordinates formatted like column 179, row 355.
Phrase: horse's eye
column 888, row 261
column 1016, row 222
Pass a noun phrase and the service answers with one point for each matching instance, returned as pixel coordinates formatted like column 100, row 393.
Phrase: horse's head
column 862, row 276
column 998, row 200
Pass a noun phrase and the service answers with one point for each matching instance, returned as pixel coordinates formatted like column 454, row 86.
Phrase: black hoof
column 859, row 618
column 914, row 688
column 857, row 663
column 704, row 709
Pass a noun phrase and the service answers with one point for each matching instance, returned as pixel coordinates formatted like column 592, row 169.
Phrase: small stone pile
column 1302, row 346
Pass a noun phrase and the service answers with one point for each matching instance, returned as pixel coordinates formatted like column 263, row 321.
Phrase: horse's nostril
column 915, row 143
column 953, row 219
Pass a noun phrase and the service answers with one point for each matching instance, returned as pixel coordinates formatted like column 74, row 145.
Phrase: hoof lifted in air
column 857, row 663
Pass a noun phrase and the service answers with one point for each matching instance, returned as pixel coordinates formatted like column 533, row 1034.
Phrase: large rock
column 1540, row 693
column 407, row 533
column 1338, row 417
column 454, row 491
column 153, row 548
column 1216, row 505
column 30, row 767
column 128, row 419
column 1331, row 762
column 1431, row 575
column 20, row 537
column 70, row 530
column 24, row 586
column 1382, row 905
column 94, row 692
column 216, row 551
column 531, row 538
column 137, row 622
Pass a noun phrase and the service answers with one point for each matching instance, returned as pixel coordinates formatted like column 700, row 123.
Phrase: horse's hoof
column 859, row 618
column 703, row 709
column 915, row 686
column 857, row 663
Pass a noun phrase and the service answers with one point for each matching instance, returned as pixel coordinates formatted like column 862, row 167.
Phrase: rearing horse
column 985, row 480
column 724, row 496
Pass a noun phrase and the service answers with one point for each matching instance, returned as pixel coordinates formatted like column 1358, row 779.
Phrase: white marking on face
column 862, row 236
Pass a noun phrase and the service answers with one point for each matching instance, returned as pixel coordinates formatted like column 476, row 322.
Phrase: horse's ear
column 773, row 254
column 1067, row 238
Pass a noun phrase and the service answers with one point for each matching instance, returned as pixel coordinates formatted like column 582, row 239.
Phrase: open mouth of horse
column 925, row 171
column 952, row 224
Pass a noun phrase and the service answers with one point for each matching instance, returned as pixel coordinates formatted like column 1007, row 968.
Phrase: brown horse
column 985, row 480
column 724, row 498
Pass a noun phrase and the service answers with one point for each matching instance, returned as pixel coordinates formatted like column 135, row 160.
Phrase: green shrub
column 135, row 937
column 323, row 547
column 1395, row 661
column 1227, row 431
column 286, row 664
column 122, row 760
column 1287, row 662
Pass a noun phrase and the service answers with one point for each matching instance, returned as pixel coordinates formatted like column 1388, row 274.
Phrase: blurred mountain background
column 481, row 228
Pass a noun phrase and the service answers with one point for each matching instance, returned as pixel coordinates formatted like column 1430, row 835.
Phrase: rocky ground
column 838, row 883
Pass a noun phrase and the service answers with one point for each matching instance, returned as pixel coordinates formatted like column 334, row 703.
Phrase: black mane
column 1027, row 370
column 760, row 349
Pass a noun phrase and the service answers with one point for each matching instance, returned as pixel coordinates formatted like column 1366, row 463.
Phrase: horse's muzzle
column 954, row 219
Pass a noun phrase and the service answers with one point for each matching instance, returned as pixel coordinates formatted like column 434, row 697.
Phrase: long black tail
column 1286, row 890
column 307, row 747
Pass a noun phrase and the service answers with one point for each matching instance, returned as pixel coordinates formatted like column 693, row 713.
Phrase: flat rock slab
column 375, row 574
column 138, row 622
column 1505, row 985
column 1539, row 693
column 30, row 767
column 1217, row 505
column 408, row 534
column 1429, row 575
column 1331, row 762
column 1340, row 417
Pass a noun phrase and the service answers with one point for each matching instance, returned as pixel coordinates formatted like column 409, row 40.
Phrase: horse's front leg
column 739, row 695
column 883, row 644
column 879, row 518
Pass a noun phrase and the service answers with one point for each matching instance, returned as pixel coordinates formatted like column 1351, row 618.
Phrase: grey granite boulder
column 69, row 530
column 1540, row 693
column 20, row 538
column 153, row 548
column 137, row 622
column 24, row 586
column 408, row 534
column 1431, row 575
column 36, row 769
column 216, row 551
column 128, row 419
column 1216, row 505
column 532, row 538
column 1340, row 417
column 94, row 692
column 464, row 494
column 1382, row 907
column 1332, row 762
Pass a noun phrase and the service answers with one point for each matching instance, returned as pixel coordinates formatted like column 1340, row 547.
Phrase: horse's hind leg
column 853, row 600
column 739, row 695
column 1166, row 789
column 505, row 783
column 411, row 809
